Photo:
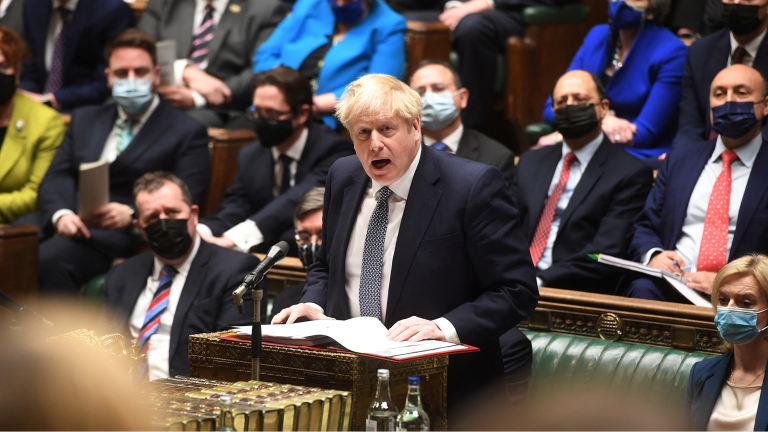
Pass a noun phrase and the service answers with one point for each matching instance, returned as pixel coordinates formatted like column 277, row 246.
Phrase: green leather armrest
column 93, row 289
column 535, row 131
column 571, row 13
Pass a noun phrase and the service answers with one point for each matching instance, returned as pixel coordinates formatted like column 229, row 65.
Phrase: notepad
column 94, row 187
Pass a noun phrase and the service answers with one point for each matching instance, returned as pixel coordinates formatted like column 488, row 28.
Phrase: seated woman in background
column 641, row 65
column 334, row 42
column 725, row 392
column 30, row 132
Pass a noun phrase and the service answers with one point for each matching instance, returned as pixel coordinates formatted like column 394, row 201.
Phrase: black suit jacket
column 91, row 25
column 205, row 304
column 481, row 148
column 706, row 58
column 235, row 39
column 610, row 194
column 460, row 255
column 250, row 196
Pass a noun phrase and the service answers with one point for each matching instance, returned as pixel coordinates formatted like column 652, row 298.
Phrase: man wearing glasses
column 291, row 156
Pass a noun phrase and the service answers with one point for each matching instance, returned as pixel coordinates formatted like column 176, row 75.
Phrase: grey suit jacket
column 14, row 17
column 481, row 148
column 244, row 26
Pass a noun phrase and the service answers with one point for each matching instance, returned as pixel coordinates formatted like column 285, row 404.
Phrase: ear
column 157, row 76
column 417, row 130
column 106, row 72
column 605, row 104
column 765, row 106
column 194, row 213
column 303, row 114
column 463, row 98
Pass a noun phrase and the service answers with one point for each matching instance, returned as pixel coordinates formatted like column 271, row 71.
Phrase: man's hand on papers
column 700, row 281
column 111, row 216
column 291, row 314
column 71, row 226
column 415, row 329
column 669, row 261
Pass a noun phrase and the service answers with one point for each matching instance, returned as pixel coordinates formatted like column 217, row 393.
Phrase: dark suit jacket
column 661, row 221
column 91, row 25
column 460, row 255
column 205, row 304
column 234, row 43
column 14, row 17
column 607, row 199
column 250, row 196
column 705, row 384
column 706, row 58
column 481, row 148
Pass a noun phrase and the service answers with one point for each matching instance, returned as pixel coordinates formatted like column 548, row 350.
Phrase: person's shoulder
column 664, row 37
column 88, row 112
column 535, row 156
column 261, row 7
column 708, row 366
column 175, row 119
column 131, row 265
column 704, row 45
column 598, row 34
column 383, row 14
column 43, row 114
column 321, row 134
column 488, row 143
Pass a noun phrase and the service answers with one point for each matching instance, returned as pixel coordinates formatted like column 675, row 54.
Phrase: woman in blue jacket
column 334, row 42
column 725, row 392
column 641, row 65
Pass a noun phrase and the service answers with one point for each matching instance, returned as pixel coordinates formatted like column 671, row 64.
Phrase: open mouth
column 380, row 163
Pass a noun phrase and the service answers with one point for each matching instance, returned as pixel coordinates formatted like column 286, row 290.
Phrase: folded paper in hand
column 94, row 187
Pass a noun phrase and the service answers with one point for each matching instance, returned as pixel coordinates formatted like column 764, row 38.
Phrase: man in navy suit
column 461, row 270
column 708, row 206
column 67, row 39
column 292, row 156
column 139, row 134
column 741, row 42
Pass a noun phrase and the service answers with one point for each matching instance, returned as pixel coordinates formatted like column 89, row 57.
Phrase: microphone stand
column 256, row 334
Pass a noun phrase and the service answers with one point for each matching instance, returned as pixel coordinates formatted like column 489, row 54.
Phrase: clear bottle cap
column 226, row 399
column 383, row 373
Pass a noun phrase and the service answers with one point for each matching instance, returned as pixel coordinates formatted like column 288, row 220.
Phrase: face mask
column 734, row 119
column 576, row 121
column 308, row 254
column 737, row 326
column 7, row 88
column 273, row 132
column 624, row 16
column 350, row 13
column 169, row 238
column 741, row 19
column 439, row 110
column 133, row 95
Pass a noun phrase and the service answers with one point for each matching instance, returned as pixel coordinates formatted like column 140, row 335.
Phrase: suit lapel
column 684, row 180
column 423, row 198
column 353, row 197
column 588, row 180
column 753, row 195
column 189, row 293
column 709, row 392
column 100, row 128
column 468, row 145
column 149, row 135
column 540, row 188
column 761, row 58
column 133, row 287
column 13, row 145
column 181, row 27
column 225, row 25
column 761, row 419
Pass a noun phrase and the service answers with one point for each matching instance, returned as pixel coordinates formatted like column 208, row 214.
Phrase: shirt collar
column 401, row 186
column 296, row 150
column 746, row 153
column 584, row 154
column 122, row 115
column 71, row 5
column 183, row 269
column 452, row 140
column 752, row 46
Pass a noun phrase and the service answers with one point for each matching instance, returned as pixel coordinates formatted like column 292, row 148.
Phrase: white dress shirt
column 219, row 6
column 578, row 166
column 751, row 47
column 693, row 227
column 54, row 27
column 452, row 140
column 158, row 353
column 110, row 146
column 247, row 234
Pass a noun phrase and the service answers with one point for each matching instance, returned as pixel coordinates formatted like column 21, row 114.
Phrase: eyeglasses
column 252, row 114
column 305, row 237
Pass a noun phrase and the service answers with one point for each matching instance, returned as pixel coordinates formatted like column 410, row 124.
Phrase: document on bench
column 365, row 335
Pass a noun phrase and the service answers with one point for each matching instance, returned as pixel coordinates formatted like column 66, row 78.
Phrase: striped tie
column 202, row 38
column 56, row 75
column 154, row 314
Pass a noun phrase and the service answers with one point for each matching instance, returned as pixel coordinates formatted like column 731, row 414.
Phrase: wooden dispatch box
column 214, row 358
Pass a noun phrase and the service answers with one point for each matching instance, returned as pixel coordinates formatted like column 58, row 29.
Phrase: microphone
column 275, row 255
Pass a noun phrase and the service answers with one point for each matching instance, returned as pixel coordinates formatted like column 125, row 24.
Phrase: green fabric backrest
column 571, row 13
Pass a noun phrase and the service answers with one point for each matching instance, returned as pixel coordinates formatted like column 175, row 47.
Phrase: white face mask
column 439, row 110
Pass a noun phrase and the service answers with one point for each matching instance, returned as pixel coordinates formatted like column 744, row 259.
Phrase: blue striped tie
column 154, row 314
column 373, row 257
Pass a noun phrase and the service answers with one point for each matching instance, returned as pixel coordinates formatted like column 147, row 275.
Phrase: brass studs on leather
column 610, row 327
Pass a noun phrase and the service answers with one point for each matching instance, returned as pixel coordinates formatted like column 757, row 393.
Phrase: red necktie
column 714, row 240
column 545, row 222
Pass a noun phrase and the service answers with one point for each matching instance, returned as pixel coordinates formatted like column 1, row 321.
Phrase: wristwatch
column 46, row 100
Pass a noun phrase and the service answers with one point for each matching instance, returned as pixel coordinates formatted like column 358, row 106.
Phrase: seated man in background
column 140, row 133
column 709, row 202
column 580, row 196
column 183, row 287
column 67, row 39
column 215, row 42
column 443, row 97
column 291, row 156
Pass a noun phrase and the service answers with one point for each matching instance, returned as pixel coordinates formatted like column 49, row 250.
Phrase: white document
column 631, row 265
column 94, row 187
column 166, row 55
column 692, row 295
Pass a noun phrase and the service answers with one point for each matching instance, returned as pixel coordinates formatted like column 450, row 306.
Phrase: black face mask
column 169, row 238
column 741, row 19
column 273, row 132
column 7, row 88
column 576, row 121
column 308, row 254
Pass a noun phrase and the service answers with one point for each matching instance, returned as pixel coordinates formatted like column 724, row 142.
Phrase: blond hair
column 378, row 95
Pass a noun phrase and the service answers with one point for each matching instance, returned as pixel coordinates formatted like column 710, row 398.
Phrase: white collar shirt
column 54, row 27
column 109, row 152
column 452, row 140
column 751, row 47
column 4, row 5
column 294, row 153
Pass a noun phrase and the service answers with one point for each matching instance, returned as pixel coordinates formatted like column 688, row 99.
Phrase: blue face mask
column 734, row 119
column 439, row 110
column 624, row 16
column 133, row 95
column 737, row 326
column 348, row 14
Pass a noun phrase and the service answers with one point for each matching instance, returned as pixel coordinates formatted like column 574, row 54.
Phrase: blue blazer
column 661, row 221
column 706, row 58
column 646, row 90
column 460, row 255
column 91, row 25
column 375, row 45
column 705, row 384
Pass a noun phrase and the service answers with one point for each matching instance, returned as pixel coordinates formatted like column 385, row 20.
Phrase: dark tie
column 202, row 38
column 154, row 314
column 56, row 74
column 285, row 183
column 738, row 55
column 440, row 146
column 373, row 257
